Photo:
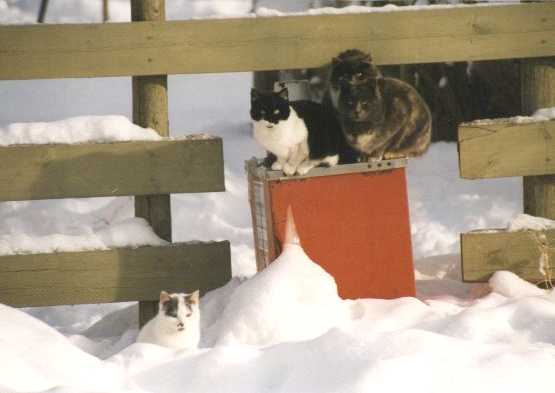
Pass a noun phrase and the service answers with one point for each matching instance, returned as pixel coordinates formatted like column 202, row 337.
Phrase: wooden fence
column 148, row 49
column 500, row 148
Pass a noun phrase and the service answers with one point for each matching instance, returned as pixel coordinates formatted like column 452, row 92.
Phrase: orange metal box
column 352, row 219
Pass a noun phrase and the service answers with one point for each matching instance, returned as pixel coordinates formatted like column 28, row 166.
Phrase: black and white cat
column 301, row 134
column 177, row 324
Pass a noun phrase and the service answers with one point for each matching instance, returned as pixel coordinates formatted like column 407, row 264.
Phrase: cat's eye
column 276, row 112
column 359, row 75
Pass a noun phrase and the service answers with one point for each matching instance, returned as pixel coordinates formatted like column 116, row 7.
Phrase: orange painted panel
column 356, row 226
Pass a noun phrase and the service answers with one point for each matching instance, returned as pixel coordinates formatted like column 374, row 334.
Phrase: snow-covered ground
column 284, row 330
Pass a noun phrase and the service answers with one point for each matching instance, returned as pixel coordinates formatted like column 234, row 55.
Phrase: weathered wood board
column 538, row 91
column 484, row 253
column 150, row 109
column 270, row 43
column 117, row 275
column 30, row 172
column 504, row 148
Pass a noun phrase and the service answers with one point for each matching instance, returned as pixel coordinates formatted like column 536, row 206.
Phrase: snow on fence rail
column 418, row 35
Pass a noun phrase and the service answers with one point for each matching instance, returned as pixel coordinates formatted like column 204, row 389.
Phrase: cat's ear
column 335, row 61
column 164, row 297
column 254, row 94
column 194, row 298
column 284, row 93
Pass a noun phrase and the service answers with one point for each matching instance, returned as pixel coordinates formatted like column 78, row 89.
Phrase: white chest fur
column 162, row 331
column 282, row 138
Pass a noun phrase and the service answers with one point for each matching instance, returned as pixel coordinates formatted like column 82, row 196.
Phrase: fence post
column 538, row 91
column 150, row 109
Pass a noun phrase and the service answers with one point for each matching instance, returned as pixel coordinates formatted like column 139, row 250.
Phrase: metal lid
column 254, row 167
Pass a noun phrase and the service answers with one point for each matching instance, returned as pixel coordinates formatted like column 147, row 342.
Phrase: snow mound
column 293, row 299
column 523, row 222
column 510, row 285
column 73, row 130
column 35, row 357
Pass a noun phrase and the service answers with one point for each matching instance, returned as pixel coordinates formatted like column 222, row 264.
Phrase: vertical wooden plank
column 538, row 91
column 150, row 109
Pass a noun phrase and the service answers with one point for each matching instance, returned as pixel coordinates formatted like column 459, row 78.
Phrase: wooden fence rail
column 498, row 148
column 116, row 275
column 501, row 148
column 268, row 43
column 485, row 252
column 111, row 169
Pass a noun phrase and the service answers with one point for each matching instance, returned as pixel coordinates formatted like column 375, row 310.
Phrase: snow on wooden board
column 94, row 156
column 83, row 129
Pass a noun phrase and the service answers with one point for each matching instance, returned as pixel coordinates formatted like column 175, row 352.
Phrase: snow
column 366, row 346
column 357, row 9
column 291, row 286
column 41, row 227
column 510, row 285
column 74, row 130
column 524, row 222
column 283, row 330
column 268, row 12
column 543, row 114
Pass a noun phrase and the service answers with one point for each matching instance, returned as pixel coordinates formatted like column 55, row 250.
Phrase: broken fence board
column 271, row 43
column 29, row 172
column 484, row 253
column 117, row 275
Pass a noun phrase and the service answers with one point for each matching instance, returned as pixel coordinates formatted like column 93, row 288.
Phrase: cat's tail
column 291, row 234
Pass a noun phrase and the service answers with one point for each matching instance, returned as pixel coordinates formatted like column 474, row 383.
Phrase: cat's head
column 178, row 308
column 270, row 107
column 352, row 67
column 362, row 102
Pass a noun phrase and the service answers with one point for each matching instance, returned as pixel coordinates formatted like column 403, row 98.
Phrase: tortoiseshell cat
column 380, row 117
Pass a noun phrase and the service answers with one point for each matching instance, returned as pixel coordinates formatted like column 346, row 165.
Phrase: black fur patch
column 325, row 137
column 170, row 307
column 272, row 107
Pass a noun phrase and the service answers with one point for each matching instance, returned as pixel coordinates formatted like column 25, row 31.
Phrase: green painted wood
column 124, row 274
column 484, row 253
column 30, row 172
column 255, row 44
column 503, row 148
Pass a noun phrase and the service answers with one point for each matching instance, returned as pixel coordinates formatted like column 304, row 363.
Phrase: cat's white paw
column 276, row 166
column 304, row 168
column 289, row 169
column 332, row 160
